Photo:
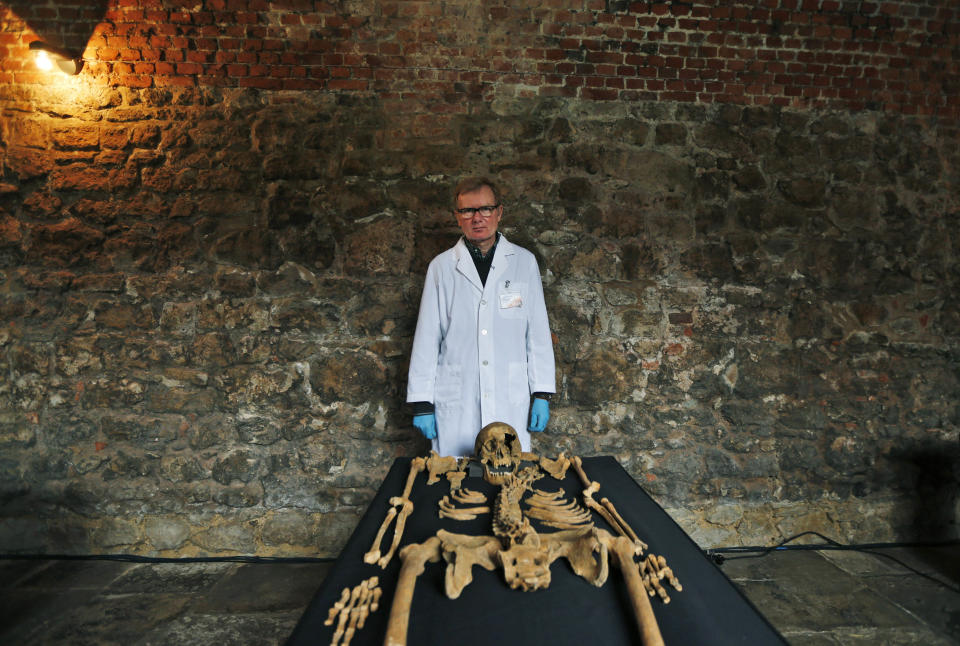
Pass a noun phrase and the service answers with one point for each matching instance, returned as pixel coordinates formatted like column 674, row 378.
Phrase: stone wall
column 209, row 290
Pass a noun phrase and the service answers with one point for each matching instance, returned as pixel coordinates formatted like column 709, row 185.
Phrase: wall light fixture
column 48, row 56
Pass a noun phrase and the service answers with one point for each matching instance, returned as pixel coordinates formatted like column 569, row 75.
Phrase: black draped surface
column 709, row 610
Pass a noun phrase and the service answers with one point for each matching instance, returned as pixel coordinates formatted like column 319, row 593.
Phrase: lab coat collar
column 501, row 256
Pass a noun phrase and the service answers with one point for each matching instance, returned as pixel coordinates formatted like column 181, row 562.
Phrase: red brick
column 189, row 68
column 346, row 84
column 131, row 80
column 597, row 94
column 261, row 83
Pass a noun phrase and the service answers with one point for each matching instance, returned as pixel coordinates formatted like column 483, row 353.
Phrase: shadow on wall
column 932, row 476
column 61, row 24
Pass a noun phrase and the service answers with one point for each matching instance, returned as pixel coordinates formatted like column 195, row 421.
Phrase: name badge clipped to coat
column 510, row 299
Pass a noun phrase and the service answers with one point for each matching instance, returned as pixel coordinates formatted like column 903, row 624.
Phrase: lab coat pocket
column 447, row 388
column 519, row 392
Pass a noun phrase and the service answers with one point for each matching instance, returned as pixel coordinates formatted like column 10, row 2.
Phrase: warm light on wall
column 48, row 57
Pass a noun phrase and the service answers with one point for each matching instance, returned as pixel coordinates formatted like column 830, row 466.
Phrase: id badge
column 510, row 300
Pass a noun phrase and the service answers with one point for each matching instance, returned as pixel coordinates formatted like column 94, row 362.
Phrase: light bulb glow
column 43, row 61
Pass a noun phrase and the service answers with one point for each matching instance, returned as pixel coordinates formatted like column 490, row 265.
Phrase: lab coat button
column 485, row 362
column 483, row 332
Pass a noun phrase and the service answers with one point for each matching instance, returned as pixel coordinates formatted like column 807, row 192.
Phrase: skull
column 498, row 448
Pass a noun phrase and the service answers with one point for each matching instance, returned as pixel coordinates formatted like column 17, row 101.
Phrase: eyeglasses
column 483, row 211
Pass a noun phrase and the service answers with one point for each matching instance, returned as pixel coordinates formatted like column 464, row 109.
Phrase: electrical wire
column 159, row 559
column 718, row 555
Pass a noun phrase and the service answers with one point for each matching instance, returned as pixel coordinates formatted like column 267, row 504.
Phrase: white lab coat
column 480, row 351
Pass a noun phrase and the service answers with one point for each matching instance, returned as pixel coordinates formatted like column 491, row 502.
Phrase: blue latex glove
column 427, row 423
column 539, row 414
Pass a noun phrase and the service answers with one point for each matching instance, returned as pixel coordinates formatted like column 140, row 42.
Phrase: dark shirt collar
column 475, row 250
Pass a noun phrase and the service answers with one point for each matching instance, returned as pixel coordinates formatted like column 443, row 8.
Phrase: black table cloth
column 709, row 610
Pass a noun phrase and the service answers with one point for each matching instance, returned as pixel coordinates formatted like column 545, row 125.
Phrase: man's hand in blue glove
column 427, row 424
column 539, row 414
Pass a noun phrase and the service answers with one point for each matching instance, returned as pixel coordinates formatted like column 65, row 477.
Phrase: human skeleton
column 524, row 553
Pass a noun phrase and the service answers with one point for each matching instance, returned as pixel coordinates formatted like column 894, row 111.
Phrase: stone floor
column 813, row 598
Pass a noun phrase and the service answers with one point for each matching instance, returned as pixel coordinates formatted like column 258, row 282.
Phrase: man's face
column 476, row 228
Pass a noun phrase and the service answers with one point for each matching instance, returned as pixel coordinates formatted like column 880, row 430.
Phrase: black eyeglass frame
column 467, row 213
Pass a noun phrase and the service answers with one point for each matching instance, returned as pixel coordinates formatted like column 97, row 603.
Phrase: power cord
column 159, row 559
column 718, row 555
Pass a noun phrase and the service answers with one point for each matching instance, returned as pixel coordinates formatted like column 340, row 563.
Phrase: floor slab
column 814, row 598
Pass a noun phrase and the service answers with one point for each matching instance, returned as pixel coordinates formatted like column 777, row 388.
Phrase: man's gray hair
column 471, row 184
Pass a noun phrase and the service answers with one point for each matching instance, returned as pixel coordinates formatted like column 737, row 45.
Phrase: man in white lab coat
column 482, row 351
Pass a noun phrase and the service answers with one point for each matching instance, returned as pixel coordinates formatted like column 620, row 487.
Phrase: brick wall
column 891, row 56
column 213, row 239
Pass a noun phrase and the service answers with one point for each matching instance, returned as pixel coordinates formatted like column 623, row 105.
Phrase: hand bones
column 356, row 607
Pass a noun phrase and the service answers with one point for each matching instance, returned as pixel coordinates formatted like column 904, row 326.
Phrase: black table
column 709, row 610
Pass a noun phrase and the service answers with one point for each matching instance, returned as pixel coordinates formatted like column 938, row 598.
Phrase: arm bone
column 613, row 519
column 401, row 503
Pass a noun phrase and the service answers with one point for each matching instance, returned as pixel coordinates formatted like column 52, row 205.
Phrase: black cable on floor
column 158, row 559
column 718, row 554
